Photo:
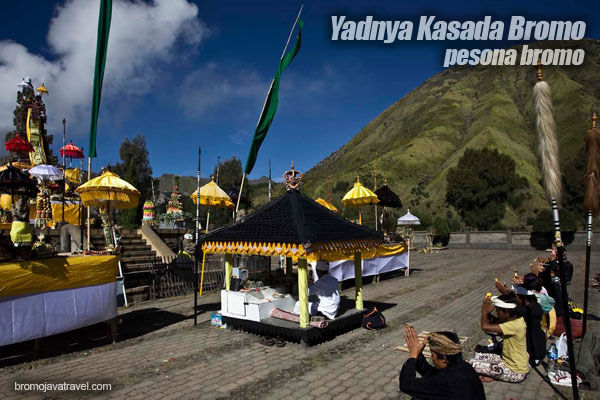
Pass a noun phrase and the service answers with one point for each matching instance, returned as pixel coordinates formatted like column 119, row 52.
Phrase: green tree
column 230, row 177
column 134, row 168
column 574, row 184
column 440, row 227
column 543, row 221
column 480, row 185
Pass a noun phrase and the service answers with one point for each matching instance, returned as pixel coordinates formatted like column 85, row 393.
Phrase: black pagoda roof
column 293, row 219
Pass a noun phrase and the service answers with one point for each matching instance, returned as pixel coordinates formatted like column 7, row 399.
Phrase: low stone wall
column 498, row 240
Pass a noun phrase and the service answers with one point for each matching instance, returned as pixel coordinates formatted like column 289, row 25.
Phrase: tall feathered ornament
column 592, row 168
column 546, row 129
column 590, row 202
column 548, row 148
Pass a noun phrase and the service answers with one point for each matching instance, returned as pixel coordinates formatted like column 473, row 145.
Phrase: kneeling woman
column 513, row 365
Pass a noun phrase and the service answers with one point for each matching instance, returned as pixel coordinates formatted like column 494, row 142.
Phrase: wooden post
column 358, row 280
column 407, row 270
column 64, row 122
column 289, row 268
column 228, row 270
column 303, row 292
column 207, row 215
column 88, row 209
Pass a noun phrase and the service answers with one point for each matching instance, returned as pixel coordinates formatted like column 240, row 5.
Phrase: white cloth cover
column 327, row 288
column 344, row 269
column 37, row 315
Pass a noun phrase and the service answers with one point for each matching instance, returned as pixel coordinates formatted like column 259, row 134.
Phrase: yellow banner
column 58, row 273
column 71, row 213
column 73, row 175
column 379, row 251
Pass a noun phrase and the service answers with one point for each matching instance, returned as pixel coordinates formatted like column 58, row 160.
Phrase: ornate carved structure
column 28, row 103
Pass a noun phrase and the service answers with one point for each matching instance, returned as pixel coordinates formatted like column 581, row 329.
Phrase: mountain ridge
column 424, row 133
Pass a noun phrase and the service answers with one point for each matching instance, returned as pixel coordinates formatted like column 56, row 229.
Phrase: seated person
column 532, row 312
column 512, row 365
column 449, row 378
column 326, row 288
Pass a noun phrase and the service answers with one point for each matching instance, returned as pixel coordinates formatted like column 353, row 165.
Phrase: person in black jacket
column 532, row 312
column 450, row 378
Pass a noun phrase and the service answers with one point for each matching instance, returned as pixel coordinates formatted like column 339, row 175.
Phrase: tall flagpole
column 88, row 208
column 197, row 252
column 269, row 180
column 375, row 186
column 64, row 122
column 198, row 197
column 586, row 288
column 548, row 148
column 592, row 189
column 218, row 167
column 81, row 210
column 237, row 207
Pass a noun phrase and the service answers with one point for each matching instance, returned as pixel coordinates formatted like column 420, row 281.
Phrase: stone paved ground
column 161, row 356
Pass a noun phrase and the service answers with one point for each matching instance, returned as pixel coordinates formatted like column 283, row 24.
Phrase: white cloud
column 212, row 86
column 143, row 37
column 239, row 137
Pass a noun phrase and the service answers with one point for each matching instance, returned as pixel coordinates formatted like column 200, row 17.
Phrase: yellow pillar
column 228, row 270
column 358, row 280
column 289, row 269
column 303, row 292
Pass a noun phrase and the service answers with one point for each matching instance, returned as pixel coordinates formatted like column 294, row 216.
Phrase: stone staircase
column 136, row 258
column 135, row 263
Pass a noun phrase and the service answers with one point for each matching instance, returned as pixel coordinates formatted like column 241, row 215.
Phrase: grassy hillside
column 423, row 134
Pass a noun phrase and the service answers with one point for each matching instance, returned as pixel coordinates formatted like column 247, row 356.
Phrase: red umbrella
column 71, row 151
column 18, row 145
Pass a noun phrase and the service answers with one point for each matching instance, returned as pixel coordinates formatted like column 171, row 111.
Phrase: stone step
column 138, row 294
column 128, row 252
column 147, row 257
column 136, row 236
column 135, row 267
column 136, row 247
column 132, row 241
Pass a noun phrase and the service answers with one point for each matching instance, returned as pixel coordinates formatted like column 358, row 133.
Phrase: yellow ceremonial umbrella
column 73, row 175
column 19, row 164
column 327, row 205
column 108, row 190
column 211, row 195
column 42, row 90
column 359, row 196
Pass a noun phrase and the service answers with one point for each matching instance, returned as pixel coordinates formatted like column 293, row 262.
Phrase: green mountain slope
column 422, row 135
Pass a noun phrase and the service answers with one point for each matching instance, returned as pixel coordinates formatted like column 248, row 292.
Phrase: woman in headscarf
column 449, row 378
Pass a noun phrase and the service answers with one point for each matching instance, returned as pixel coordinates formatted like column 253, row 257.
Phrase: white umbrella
column 46, row 172
column 408, row 219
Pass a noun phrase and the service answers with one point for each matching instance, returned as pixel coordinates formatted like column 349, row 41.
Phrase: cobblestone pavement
column 160, row 355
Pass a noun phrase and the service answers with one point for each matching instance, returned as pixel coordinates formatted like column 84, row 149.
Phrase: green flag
column 268, row 113
column 101, row 50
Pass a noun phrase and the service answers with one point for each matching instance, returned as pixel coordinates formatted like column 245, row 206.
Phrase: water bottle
column 552, row 358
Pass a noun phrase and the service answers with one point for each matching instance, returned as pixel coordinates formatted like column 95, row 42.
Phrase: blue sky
column 186, row 73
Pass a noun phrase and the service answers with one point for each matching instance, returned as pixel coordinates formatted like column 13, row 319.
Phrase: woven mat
column 426, row 351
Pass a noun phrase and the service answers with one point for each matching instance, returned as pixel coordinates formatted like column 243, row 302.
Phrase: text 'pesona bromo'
column 430, row 28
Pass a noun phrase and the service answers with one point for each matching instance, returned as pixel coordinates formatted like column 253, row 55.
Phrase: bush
column 480, row 185
column 543, row 221
column 441, row 232
column 568, row 222
column 454, row 224
column 440, row 227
